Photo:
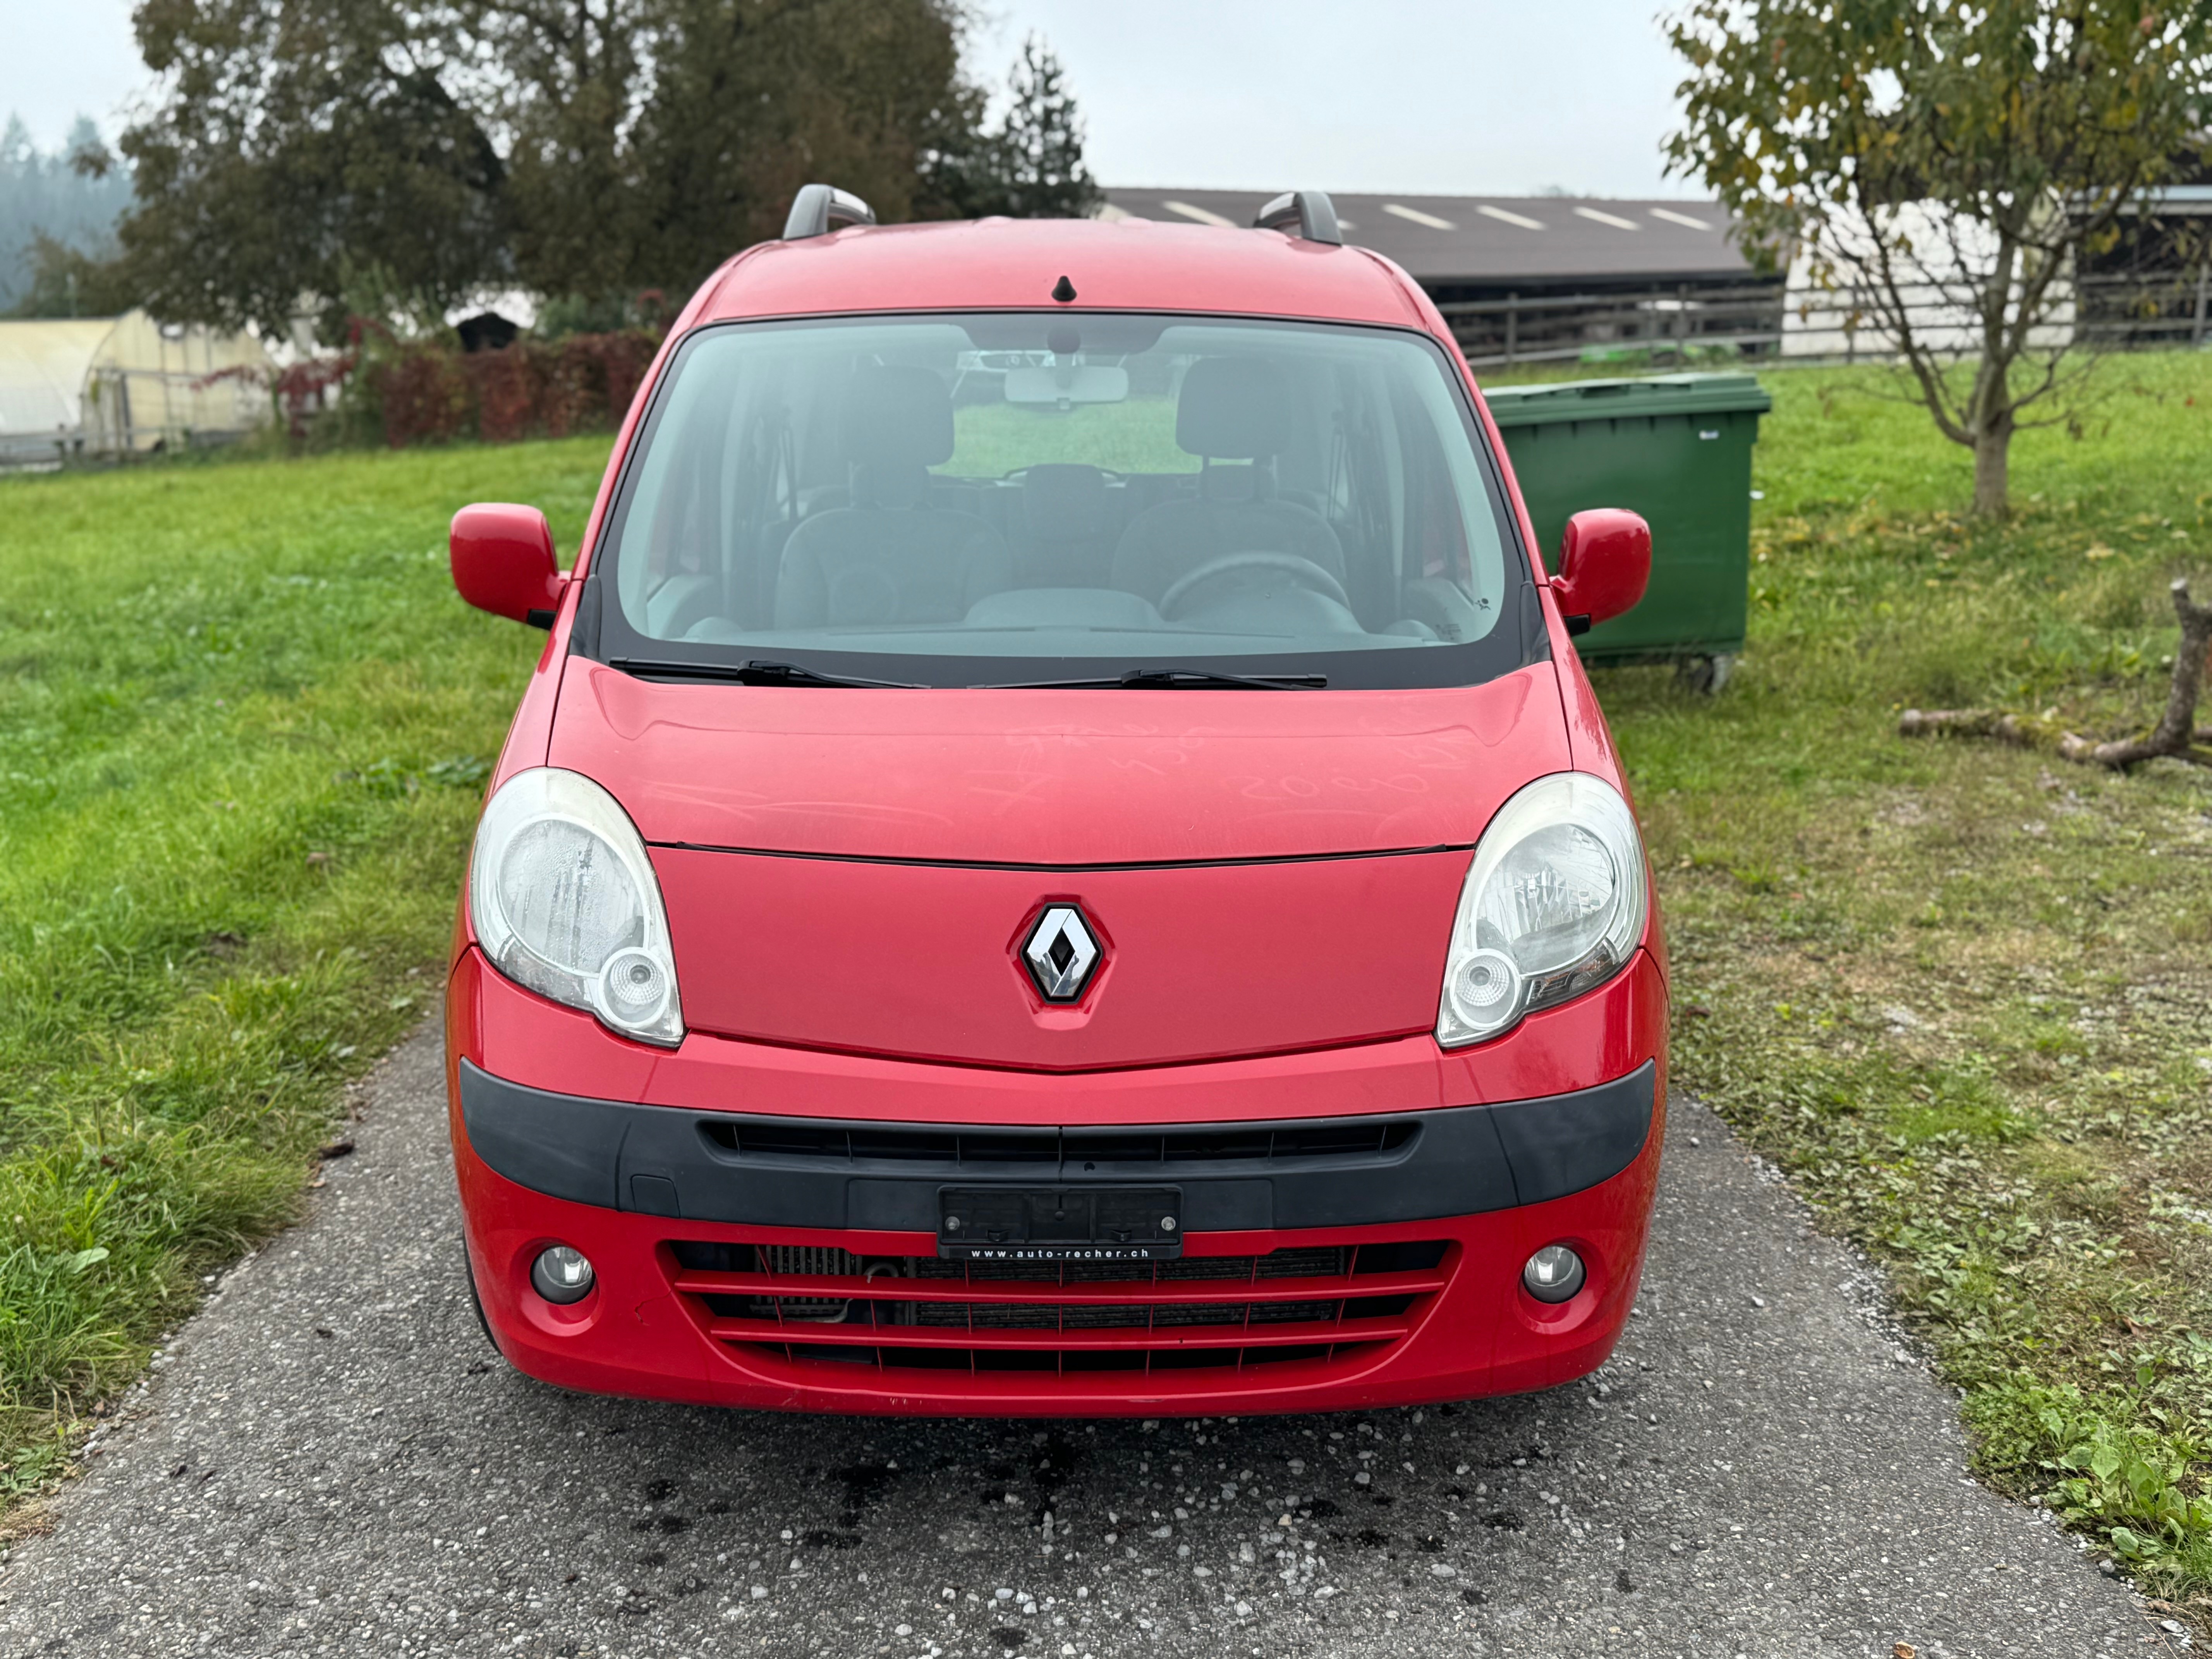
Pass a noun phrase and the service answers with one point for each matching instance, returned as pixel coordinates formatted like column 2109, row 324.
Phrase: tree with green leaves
column 1030, row 165
column 299, row 142
column 1946, row 167
column 751, row 99
column 573, row 147
column 57, row 213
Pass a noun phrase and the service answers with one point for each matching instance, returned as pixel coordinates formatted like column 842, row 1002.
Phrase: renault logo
column 1061, row 953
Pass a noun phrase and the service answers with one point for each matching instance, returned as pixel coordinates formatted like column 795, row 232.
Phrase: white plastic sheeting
column 114, row 384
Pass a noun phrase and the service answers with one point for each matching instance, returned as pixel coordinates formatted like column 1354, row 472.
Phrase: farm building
column 2153, row 286
column 1533, row 278
column 1538, row 278
column 118, row 386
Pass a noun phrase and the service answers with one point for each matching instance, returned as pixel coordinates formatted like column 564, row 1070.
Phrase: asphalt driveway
column 329, row 1459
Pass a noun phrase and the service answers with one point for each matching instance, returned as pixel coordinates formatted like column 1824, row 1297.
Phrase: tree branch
column 2175, row 734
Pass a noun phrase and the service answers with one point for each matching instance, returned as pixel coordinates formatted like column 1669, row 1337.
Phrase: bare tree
column 1942, row 167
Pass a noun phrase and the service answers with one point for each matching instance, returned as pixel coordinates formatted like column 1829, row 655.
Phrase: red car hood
column 1069, row 778
column 1194, row 828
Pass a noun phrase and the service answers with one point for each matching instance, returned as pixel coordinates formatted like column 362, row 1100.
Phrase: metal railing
column 1539, row 328
column 2125, row 311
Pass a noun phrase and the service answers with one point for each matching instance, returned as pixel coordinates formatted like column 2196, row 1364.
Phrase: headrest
column 1234, row 409
column 1254, row 483
column 1064, row 502
column 897, row 418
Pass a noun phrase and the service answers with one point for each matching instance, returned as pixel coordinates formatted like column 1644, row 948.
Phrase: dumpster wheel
column 1706, row 674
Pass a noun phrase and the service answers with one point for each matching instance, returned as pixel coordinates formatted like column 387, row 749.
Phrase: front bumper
column 751, row 1252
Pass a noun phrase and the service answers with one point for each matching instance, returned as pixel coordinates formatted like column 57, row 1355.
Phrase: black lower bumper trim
column 668, row 1161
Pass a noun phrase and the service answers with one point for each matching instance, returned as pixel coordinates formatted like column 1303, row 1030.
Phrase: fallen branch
column 1968, row 723
column 2176, row 735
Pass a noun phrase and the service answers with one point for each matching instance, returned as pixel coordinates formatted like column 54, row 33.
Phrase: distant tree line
column 306, row 152
column 58, row 210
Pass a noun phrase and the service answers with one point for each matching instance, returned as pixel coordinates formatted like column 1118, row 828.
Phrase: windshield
column 1025, row 498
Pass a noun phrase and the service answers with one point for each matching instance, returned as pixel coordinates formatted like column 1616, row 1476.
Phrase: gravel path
column 329, row 1459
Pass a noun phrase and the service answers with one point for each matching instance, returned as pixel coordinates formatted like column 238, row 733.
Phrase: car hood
column 1069, row 778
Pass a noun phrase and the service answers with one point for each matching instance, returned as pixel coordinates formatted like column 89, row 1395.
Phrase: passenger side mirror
column 1605, row 565
column 503, row 558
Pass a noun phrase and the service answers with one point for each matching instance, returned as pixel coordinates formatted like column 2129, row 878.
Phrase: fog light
column 561, row 1275
column 1554, row 1273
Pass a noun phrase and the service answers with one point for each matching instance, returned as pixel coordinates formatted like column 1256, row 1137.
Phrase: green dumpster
column 1675, row 448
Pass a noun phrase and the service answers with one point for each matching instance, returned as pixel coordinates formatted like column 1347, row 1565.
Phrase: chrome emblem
column 1061, row 953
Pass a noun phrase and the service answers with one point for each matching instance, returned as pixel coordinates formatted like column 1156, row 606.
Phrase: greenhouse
column 111, row 386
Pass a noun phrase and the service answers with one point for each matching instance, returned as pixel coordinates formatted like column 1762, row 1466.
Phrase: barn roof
column 1487, row 240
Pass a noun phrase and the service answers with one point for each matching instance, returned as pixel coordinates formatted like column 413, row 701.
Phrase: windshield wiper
column 1180, row 679
column 750, row 672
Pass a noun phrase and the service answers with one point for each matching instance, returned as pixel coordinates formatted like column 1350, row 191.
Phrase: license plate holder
column 1059, row 1224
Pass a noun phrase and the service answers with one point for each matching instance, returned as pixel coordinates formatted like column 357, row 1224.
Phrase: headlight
column 1554, row 902
column 563, row 900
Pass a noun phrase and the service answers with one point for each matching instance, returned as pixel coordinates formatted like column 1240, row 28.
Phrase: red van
column 1058, row 858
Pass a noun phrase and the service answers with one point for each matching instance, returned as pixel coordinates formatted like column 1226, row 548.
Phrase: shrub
column 422, row 393
column 426, row 392
column 505, row 386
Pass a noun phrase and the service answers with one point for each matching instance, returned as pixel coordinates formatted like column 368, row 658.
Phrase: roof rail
column 1310, row 210
column 818, row 208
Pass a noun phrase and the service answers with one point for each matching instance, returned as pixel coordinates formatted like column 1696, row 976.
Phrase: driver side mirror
column 503, row 563
column 1605, row 565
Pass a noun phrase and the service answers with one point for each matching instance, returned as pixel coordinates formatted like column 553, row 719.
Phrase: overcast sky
column 1437, row 97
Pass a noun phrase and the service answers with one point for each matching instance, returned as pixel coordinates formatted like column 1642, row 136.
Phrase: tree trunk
column 1992, row 470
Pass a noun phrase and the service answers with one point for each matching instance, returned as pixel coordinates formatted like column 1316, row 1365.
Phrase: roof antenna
column 1063, row 290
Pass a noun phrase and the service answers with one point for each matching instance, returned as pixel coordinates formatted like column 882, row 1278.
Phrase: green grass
column 244, row 723
column 992, row 440
column 1962, row 993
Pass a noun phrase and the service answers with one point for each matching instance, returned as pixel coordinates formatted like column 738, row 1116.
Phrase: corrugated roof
column 1443, row 240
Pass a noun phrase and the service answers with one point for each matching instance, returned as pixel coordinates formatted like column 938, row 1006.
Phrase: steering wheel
column 1305, row 572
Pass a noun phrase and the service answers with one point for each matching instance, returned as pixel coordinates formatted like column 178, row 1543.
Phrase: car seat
column 1233, row 408
column 1068, row 524
column 890, row 558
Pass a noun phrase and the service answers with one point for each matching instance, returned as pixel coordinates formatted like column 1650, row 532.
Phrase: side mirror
column 503, row 563
column 1605, row 565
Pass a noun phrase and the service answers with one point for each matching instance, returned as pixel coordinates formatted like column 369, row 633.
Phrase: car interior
column 1005, row 486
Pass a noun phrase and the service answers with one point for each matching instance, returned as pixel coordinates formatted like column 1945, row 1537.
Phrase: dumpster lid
column 1601, row 400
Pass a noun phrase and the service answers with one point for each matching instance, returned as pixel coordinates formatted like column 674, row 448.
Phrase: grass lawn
column 1962, row 993
column 244, row 724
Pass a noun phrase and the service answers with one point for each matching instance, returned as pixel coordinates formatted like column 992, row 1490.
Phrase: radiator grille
column 822, row 1305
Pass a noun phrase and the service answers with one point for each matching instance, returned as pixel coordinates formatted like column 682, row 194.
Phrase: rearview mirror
column 1605, row 565
column 1067, row 385
column 503, row 563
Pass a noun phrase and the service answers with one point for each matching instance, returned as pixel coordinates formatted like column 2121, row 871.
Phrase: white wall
column 1940, row 259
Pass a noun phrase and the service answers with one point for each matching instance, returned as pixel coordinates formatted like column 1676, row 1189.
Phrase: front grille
column 1004, row 1150
column 812, row 1305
